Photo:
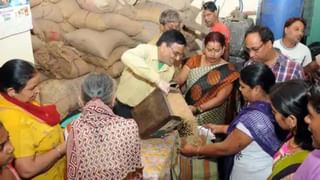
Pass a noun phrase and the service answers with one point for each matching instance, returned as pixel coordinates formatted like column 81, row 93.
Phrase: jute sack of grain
column 127, row 11
column 122, row 23
column 98, row 6
column 36, row 43
column 192, row 46
column 100, row 70
column 63, row 93
column 66, row 27
column 68, row 7
column 50, row 29
column 98, row 43
column 105, row 63
column 54, row 1
column 64, row 62
column 94, row 60
column 149, row 30
column 129, row 2
column 117, row 53
column 139, row 2
column 150, row 11
column 116, row 69
column 86, row 19
column 176, row 4
column 37, row 31
column 43, row 77
column 34, row 3
column 47, row 11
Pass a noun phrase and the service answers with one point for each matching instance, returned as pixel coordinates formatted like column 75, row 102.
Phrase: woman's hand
column 30, row 166
column 188, row 150
column 216, row 128
column 62, row 148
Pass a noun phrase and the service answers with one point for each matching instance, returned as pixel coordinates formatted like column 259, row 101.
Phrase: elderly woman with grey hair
column 102, row 145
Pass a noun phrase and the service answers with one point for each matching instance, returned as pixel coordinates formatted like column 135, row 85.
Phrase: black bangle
column 198, row 110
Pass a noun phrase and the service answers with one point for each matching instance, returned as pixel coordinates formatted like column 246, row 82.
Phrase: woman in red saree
column 209, row 80
column 102, row 145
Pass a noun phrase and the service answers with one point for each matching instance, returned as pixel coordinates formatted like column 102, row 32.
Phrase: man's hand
column 164, row 86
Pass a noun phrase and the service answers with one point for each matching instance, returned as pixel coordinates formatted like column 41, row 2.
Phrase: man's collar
column 164, row 67
column 281, row 59
column 276, row 58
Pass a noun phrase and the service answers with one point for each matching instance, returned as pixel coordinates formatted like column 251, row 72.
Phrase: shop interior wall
column 16, row 46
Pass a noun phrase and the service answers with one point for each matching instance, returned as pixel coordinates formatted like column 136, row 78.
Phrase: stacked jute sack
column 74, row 37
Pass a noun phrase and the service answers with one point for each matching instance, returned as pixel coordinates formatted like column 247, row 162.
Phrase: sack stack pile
column 71, row 38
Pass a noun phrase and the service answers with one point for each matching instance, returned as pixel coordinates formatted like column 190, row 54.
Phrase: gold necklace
column 208, row 63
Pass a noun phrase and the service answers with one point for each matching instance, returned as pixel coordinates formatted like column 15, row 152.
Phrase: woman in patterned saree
column 102, row 145
column 208, row 79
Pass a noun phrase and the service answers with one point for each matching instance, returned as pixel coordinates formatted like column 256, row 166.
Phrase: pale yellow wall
column 16, row 46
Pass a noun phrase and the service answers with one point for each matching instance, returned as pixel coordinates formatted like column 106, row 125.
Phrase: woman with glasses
column 251, row 141
column 289, row 106
column 148, row 67
column 208, row 79
column 290, row 44
column 259, row 45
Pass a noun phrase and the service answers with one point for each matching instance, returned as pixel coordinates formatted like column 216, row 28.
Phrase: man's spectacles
column 254, row 49
column 176, row 54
